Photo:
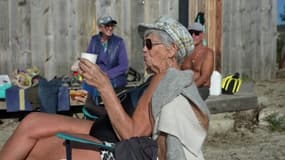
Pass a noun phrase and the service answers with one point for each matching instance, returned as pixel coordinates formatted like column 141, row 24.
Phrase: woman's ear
column 173, row 50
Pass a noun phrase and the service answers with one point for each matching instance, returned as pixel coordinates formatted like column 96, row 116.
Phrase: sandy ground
column 248, row 140
column 251, row 139
column 259, row 144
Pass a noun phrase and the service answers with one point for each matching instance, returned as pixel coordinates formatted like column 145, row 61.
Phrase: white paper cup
column 89, row 56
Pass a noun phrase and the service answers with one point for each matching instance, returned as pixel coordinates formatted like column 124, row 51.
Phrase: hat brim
column 143, row 27
column 110, row 22
column 194, row 30
column 196, row 27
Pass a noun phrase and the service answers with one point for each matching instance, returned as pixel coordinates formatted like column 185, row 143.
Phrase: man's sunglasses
column 197, row 33
column 149, row 44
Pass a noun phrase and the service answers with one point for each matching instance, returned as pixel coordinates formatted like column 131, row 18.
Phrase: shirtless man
column 201, row 61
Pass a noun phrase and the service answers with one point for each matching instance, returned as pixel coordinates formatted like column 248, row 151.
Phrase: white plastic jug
column 216, row 83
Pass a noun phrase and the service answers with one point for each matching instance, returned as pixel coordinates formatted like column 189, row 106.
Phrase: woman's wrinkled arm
column 124, row 125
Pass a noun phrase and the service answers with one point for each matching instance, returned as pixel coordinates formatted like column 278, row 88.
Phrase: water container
column 5, row 83
column 216, row 82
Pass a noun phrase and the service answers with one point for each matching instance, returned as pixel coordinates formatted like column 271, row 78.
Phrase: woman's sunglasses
column 196, row 33
column 149, row 44
column 109, row 25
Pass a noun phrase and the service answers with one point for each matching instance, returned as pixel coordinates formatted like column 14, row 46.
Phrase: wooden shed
column 51, row 34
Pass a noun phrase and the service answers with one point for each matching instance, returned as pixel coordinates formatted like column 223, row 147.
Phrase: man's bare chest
column 197, row 59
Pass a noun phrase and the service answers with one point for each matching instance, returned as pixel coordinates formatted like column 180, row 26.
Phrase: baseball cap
column 196, row 27
column 175, row 30
column 106, row 20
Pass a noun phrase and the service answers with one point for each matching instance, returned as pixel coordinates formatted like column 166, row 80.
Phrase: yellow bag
column 231, row 84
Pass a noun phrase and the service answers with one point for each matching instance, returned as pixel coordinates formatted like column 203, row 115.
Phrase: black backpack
column 231, row 84
column 136, row 148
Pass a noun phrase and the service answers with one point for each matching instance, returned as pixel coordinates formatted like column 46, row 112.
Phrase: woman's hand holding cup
column 93, row 75
column 89, row 56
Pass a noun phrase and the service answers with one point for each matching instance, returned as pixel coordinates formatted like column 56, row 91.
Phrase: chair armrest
column 86, row 139
column 87, row 114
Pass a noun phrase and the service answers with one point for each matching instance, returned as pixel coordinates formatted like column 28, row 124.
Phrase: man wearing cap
column 112, row 55
column 201, row 61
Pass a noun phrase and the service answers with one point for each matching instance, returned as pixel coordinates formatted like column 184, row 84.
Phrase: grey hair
column 164, row 37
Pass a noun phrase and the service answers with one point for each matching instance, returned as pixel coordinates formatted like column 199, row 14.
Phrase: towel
column 16, row 100
column 173, row 115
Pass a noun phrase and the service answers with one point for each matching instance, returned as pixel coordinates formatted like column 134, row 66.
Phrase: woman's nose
column 144, row 49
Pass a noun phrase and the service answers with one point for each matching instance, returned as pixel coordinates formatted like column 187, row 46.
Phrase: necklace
column 195, row 56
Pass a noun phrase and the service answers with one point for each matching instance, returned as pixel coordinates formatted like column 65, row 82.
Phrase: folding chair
column 77, row 138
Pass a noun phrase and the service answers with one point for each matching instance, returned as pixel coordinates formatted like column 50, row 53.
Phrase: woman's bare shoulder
column 147, row 95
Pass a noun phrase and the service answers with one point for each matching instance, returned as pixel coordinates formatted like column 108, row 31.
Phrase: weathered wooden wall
column 249, row 38
column 50, row 34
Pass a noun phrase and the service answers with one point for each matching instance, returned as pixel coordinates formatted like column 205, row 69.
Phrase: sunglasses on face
column 196, row 33
column 149, row 44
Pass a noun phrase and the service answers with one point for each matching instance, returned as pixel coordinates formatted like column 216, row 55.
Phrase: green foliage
column 276, row 122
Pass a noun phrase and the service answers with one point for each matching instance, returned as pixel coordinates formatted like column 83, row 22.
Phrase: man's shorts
column 204, row 92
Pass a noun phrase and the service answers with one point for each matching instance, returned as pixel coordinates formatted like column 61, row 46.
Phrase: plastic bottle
column 216, row 83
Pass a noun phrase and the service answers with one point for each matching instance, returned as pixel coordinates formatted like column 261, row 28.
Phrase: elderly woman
column 166, row 42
